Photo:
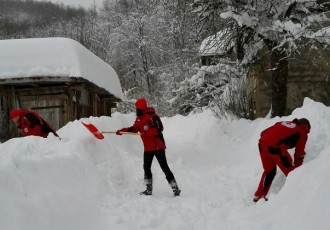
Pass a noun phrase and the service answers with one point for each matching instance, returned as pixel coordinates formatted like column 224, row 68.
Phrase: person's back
column 283, row 134
column 30, row 123
column 151, row 127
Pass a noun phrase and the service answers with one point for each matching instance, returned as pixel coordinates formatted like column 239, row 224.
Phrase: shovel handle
column 130, row 133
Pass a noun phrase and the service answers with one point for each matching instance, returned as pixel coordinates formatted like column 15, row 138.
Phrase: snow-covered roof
column 215, row 44
column 58, row 58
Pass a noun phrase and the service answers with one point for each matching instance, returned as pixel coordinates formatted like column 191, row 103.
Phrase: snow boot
column 175, row 188
column 148, row 191
column 257, row 198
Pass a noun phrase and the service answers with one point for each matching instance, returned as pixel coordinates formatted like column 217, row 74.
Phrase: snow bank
column 80, row 182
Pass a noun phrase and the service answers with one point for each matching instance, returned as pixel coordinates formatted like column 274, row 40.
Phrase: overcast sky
column 77, row 3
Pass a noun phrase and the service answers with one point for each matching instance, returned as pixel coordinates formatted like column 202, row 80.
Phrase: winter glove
column 118, row 132
column 298, row 161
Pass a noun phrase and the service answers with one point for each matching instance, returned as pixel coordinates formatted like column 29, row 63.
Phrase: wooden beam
column 44, row 97
column 48, row 107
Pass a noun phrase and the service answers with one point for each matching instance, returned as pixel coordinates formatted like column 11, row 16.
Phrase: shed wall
column 57, row 104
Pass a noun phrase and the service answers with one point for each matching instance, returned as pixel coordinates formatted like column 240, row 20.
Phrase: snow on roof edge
column 215, row 44
column 63, row 57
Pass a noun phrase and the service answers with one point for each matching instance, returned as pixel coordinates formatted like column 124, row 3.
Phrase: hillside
column 17, row 17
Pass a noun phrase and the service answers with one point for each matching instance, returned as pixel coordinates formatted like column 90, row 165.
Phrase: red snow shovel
column 99, row 134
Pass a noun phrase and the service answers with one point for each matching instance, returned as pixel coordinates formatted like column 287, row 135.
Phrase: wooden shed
column 307, row 74
column 56, row 77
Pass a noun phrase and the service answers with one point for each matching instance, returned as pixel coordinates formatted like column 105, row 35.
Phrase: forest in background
column 154, row 44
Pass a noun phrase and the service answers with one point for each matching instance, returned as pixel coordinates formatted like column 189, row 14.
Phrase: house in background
column 56, row 77
column 217, row 47
column 308, row 75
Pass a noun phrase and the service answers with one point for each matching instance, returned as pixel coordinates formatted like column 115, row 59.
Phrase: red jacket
column 32, row 124
column 150, row 127
column 287, row 135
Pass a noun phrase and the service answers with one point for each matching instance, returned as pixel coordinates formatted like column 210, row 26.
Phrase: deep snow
column 82, row 183
column 55, row 59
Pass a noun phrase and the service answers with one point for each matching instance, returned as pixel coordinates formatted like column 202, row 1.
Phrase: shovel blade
column 91, row 128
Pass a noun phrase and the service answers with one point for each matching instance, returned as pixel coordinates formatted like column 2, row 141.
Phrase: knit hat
column 141, row 103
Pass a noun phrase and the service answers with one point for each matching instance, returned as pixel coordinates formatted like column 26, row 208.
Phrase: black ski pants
column 161, row 158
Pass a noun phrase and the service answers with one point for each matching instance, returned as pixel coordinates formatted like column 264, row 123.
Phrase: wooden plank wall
column 56, row 104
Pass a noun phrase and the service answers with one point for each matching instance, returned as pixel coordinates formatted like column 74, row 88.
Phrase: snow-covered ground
column 82, row 183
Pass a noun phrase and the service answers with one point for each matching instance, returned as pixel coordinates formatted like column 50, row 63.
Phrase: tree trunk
column 279, row 68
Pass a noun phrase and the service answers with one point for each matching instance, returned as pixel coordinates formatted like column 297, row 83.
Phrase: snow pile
column 48, row 58
column 80, row 182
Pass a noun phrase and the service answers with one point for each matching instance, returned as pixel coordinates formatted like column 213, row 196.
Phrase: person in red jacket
column 273, row 145
column 150, row 127
column 30, row 123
